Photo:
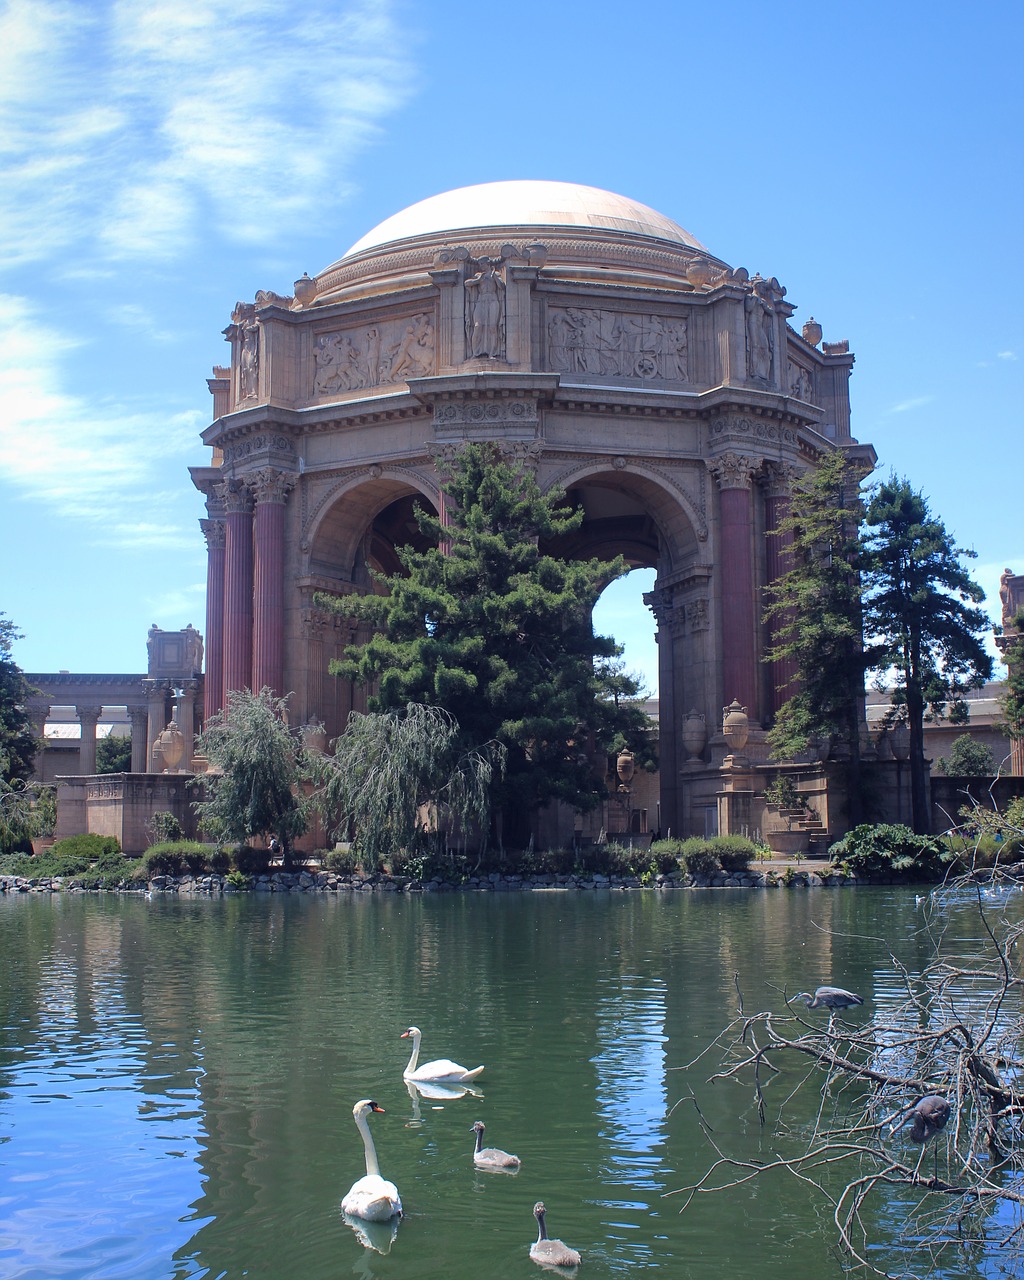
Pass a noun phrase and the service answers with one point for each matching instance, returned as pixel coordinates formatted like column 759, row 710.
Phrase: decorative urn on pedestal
column 735, row 729
column 694, row 736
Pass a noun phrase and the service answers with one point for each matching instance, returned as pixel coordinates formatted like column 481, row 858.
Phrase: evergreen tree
column 114, row 754
column 497, row 632
column 17, row 742
column 1012, row 645
column 920, row 614
column 815, row 612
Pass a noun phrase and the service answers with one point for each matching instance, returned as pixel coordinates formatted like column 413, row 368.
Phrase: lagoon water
column 177, row 1078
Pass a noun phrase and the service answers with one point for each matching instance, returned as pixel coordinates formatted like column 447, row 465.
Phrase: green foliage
column 238, row 879
column 343, row 862
column 781, row 793
column 258, row 766
column 163, row 827
column 114, row 754
column 967, row 759
column 624, row 694
column 892, row 850
column 698, row 858
column 496, row 629
column 920, row 615
column 814, row 611
column 733, row 852
column 395, row 775
column 251, row 862
column 17, row 742
column 1013, row 655
column 175, row 857
column 88, row 846
column 984, row 850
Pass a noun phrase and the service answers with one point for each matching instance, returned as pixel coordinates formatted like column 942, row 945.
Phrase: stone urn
column 699, row 273
column 314, row 736
column 735, row 726
column 305, row 289
column 171, row 745
column 694, row 735
column 811, row 331
column 625, row 766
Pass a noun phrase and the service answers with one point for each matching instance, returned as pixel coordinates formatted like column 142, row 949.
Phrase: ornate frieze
column 760, row 429
column 618, row 344
column 499, row 412
column 372, row 355
column 262, row 443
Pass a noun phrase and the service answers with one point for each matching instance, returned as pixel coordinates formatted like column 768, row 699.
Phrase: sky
column 161, row 161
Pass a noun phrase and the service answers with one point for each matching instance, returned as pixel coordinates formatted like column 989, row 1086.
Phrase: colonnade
column 245, row 585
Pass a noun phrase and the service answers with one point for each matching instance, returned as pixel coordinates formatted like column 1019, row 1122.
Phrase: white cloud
column 1007, row 355
column 103, row 464
column 905, row 406
column 129, row 127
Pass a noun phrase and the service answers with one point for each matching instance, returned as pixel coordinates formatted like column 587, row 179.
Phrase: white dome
column 524, row 204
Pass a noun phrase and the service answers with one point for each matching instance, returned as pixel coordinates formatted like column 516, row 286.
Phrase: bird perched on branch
column 829, row 998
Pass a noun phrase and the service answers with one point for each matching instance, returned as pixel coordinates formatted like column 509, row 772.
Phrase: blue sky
column 160, row 161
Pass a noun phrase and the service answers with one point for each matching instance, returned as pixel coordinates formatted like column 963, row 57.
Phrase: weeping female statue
column 485, row 312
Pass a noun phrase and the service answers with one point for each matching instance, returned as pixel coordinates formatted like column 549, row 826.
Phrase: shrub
column 238, row 880
column 250, row 861
column 698, row 858
column 972, row 852
column 88, row 846
column 220, row 862
column 890, row 849
column 782, row 793
column 733, row 852
column 164, row 827
column 967, row 759
column 343, row 862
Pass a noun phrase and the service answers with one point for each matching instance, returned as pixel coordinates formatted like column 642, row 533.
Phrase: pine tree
column 17, row 742
column 920, row 615
column 497, row 632
column 815, row 612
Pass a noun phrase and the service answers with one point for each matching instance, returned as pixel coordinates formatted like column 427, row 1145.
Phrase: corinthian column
column 237, row 588
column 734, row 474
column 88, row 718
column 215, row 534
column 270, row 488
column 778, row 551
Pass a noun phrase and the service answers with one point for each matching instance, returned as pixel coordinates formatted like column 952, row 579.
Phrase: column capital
column 89, row 715
column 669, row 616
column 235, row 497
column 734, row 470
column 215, row 533
column 271, row 484
column 779, row 478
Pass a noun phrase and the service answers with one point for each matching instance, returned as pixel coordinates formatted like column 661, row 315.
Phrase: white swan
column 442, row 1070
column 371, row 1197
column 492, row 1157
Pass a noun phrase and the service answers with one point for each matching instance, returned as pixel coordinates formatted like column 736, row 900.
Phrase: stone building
column 593, row 339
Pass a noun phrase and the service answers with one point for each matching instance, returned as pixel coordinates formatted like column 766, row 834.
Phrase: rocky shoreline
column 330, row 882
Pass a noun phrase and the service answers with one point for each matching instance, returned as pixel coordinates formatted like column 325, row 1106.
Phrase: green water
column 177, row 1078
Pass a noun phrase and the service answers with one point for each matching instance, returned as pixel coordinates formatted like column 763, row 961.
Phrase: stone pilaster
column 238, row 574
column 779, row 479
column 215, row 533
column 139, row 717
column 270, row 488
column 734, row 474
column 88, row 718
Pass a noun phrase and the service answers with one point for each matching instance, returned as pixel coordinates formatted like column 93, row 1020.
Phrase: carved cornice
column 745, row 428
column 264, row 442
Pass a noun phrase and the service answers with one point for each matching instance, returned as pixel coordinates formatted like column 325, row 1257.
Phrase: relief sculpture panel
column 392, row 351
column 617, row 344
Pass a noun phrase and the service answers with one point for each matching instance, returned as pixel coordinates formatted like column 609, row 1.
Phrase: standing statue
column 249, row 361
column 485, row 312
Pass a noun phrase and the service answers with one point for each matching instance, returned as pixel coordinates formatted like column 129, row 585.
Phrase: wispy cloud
column 99, row 463
column 906, row 406
column 1007, row 355
column 127, row 128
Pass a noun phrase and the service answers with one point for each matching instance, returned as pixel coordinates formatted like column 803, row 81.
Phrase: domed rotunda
column 595, row 341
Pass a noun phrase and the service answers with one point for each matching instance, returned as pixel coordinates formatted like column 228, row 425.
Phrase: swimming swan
column 491, row 1157
column 371, row 1197
column 550, row 1253
column 442, row 1070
